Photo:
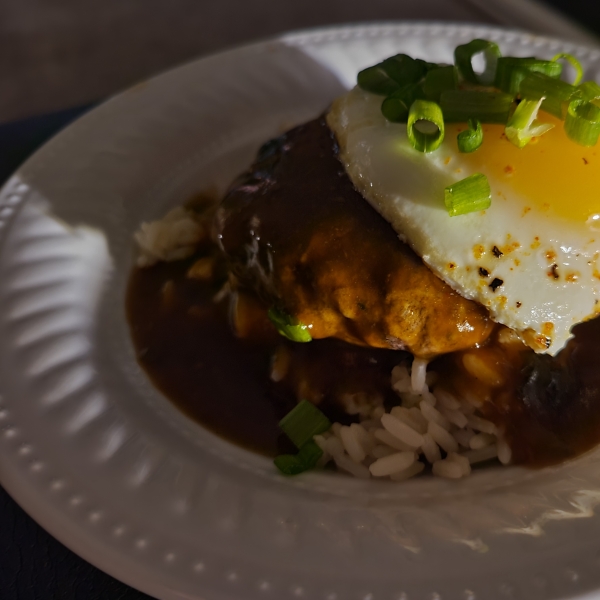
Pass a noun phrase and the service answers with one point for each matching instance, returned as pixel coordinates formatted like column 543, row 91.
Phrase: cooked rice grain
column 418, row 375
column 173, row 237
column 447, row 468
column 424, row 429
column 413, row 470
column 433, row 415
column 352, row 445
column 430, row 449
column 481, row 440
column 402, row 431
column 442, row 437
column 391, row 440
column 394, row 463
column 481, row 455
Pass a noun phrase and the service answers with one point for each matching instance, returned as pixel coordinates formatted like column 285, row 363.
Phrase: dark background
column 59, row 57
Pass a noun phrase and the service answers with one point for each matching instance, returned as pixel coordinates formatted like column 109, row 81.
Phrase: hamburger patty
column 295, row 230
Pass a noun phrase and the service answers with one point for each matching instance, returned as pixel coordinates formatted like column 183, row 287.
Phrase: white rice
column 481, row 440
column 430, row 449
column 405, row 433
column 428, row 428
column 418, row 375
column 394, row 463
column 352, row 445
column 463, row 437
column 411, row 471
column 447, row 468
column 504, row 452
column 173, row 237
column 391, row 440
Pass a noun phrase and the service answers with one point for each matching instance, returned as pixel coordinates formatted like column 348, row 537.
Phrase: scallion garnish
column 468, row 195
column 588, row 90
column 458, row 106
column 574, row 63
column 522, row 126
column 294, row 464
column 511, row 70
column 426, row 66
column 396, row 106
column 439, row 80
column 556, row 93
column 289, row 326
column 376, row 80
column 425, row 126
column 582, row 123
column 303, row 422
column 471, row 138
column 391, row 74
column 463, row 57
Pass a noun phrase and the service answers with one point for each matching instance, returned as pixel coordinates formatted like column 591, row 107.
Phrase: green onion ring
column 289, row 326
column 303, row 422
column 574, row 63
column 468, row 195
column 294, row 464
column 582, row 124
column 511, row 70
column 439, row 80
column 463, row 58
column 556, row 93
column 458, row 106
column 589, row 90
column 396, row 106
column 521, row 127
column 470, row 139
column 376, row 80
column 430, row 112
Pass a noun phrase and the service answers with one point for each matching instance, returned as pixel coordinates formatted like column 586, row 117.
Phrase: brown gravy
column 548, row 408
column 185, row 344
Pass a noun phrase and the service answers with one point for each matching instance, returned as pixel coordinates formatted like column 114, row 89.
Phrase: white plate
column 106, row 464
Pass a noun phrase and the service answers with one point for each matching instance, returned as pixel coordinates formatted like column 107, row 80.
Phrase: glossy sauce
column 241, row 384
column 185, row 344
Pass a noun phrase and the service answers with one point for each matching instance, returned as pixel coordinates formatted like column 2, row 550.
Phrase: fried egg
column 531, row 258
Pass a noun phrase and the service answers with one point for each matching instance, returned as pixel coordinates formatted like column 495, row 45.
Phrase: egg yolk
column 552, row 173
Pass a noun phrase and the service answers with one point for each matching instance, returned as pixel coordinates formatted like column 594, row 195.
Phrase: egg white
column 547, row 266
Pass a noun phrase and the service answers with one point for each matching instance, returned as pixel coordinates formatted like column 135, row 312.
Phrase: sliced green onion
column 556, row 93
column 426, row 66
column 470, row 139
column 458, row 106
column 391, row 74
column 468, row 195
column 303, row 422
column 439, row 80
column 583, row 122
column 403, row 69
column 522, row 126
column 294, row 464
column 376, row 80
column 574, row 63
column 288, row 326
column 396, row 106
column 425, row 126
column 463, row 58
column 589, row 90
column 511, row 70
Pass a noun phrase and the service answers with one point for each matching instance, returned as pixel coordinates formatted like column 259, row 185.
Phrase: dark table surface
column 33, row 565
